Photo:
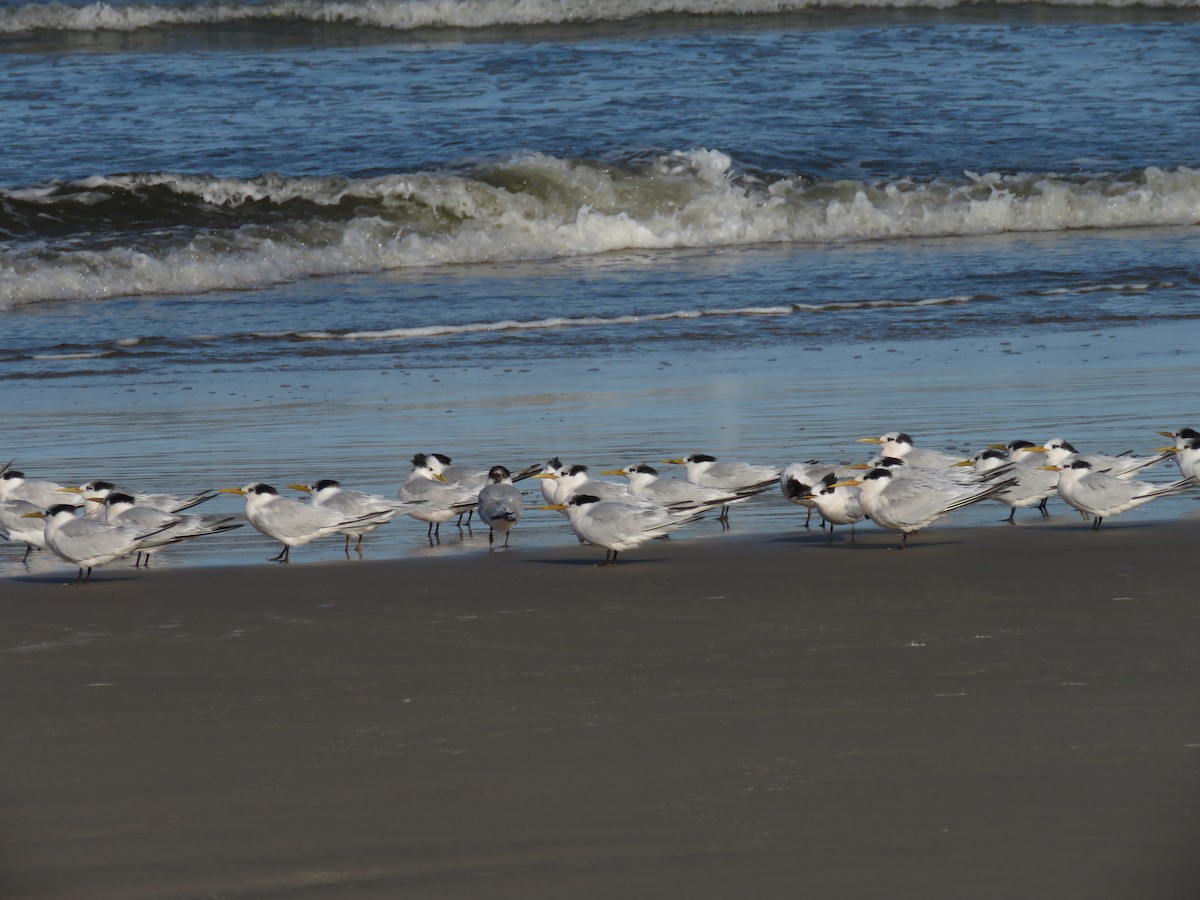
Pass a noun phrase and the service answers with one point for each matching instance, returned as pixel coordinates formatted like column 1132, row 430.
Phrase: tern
column 910, row 502
column 18, row 526
column 1034, row 487
column 1102, row 495
column 1187, row 454
column 291, row 522
column 1181, row 438
column 839, row 502
column 441, row 501
column 355, row 505
column 741, row 478
column 44, row 494
column 124, row 509
column 899, row 444
column 95, row 492
column 500, row 504
column 568, row 481
column 1059, row 452
column 87, row 543
column 617, row 525
column 798, row 480
column 647, row 484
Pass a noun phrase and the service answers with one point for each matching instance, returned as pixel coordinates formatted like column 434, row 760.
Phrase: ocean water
column 283, row 241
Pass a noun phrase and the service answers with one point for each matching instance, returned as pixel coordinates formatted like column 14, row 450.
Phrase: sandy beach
column 992, row 713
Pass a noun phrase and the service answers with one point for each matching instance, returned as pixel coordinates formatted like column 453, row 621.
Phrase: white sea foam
column 535, row 206
column 407, row 15
column 558, row 322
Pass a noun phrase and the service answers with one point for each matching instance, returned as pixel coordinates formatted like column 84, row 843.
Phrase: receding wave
column 162, row 233
column 408, row 15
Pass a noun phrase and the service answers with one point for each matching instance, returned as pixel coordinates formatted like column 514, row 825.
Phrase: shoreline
column 980, row 715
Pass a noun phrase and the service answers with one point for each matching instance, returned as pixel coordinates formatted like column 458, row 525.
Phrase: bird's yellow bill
column 868, row 441
column 231, row 491
column 962, row 463
column 551, row 475
column 613, row 472
column 1167, row 449
column 1051, row 468
column 34, row 515
column 304, row 488
column 561, row 507
column 68, row 490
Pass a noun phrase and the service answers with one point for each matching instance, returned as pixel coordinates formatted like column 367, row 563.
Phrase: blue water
column 252, row 242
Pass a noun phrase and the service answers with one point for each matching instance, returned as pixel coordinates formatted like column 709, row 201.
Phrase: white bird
column 124, row 509
column 440, row 502
column 646, row 484
column 910, row 502
column 899, row 444
column 291, row 522
column 1102, row 494
column 1181, row 438
column 1059, row 452
column 87, row 543
column 1188, row 456
column 1034, row 487
column 18, row 526
column 355, row 505
column 469, row 476
column 839, row 502
column 567, row 481
column 500, row 504
column 745, row 479
column 548, row 485
column 44, row 494
column 618, row 525
column 798, row 479
column 96, row 491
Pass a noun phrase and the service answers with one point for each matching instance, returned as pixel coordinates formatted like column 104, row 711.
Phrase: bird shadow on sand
column 594, row 563
column 68, row 581
column 860, row 545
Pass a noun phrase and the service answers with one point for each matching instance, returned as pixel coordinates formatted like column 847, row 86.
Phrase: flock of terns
column 904, row 489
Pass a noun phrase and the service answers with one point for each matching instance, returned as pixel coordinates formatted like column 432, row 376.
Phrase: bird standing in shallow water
column 500, row 504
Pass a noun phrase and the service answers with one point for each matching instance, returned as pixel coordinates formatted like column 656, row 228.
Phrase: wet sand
column 992, row 713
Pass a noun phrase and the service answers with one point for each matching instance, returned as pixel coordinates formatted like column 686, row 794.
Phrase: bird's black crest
column 890, row 462
column 1021, row 445
column 419, row 460
column 1066, row 445
column 830, row 479
column 498, row 473
column 876, row 474
column 903, row 438
column 1079, row 464
column 555, row 463
column 1189, row 434
column 701, row 457
column 326, row 483
column 261, row 488
column 644, row 468
column 60, row 507
column 794, row 488
column 119, row 498
column 583, row 499
column 577, row 470
column 12, row 474
column 998, row 454
column 442, row 458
